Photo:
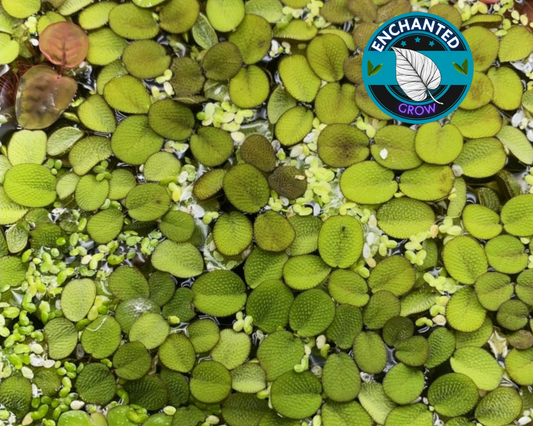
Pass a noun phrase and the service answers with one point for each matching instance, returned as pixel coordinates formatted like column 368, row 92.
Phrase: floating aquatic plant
column 223, row 228
column 43, row 93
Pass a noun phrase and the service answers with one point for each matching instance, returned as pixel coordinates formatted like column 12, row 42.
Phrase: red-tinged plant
column 9, row 81
column 64, row 44
column 42, row 96
column 43, row 93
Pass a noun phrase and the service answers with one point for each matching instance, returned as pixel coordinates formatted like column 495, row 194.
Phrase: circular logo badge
column 417, row 67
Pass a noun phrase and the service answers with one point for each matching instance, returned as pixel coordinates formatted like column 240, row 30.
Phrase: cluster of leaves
column 229, row 230
column 43, row 93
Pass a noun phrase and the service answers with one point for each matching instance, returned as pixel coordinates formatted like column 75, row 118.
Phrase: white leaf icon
column 416, row 74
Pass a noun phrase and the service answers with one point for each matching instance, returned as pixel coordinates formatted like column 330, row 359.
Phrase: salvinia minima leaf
column 416, row 74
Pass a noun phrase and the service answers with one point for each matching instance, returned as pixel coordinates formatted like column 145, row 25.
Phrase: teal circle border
column 456, row 33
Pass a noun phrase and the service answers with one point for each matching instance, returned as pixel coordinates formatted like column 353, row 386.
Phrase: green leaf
column 253, row 38
column 177, row 353
column 225, row 15
column 279, row 353
column 296, row 395
column 414, row 415
column 182, row 260
column 17, row 237
column 516, row 215
column 479, row 365
column 21, row 10
column 370, row 353
column 376, row 70
column 180, row 305
column 248, row 378
column 61, row 336
column 232, row 233
column 14, row 271
column 518, row 365
column 104, row 226
column 517, row 44
column 130, row 310
column 464, row 312
column 458, row 68
column 464, row 259
column 298, row 77
column 68, row 7
column 177, row 226
column 370, row 68
column 346, row 325
column 26, row 146
column 499, row 407
column 210, row 382
column 311, row 313
column 15, row 393
column 340, row 242
column 75, row 418
column 88, row 152
column 244, row 409
column 147, row 202
column 453, row 394
column 178, row 394
column 339, row 413
column 326, row 54
column 96, row 115
column 179, row 16
column 131, row 361
column 150, row 329
column 250, row 87
column 382, row 306
column 465, row 66
column 395, row 274
column 375, row 401
column 101, row 337
column 92, row 17
column 172, row 120
column 273, row 232
column 134, row 141
column 9, row 49
column 219, row 293
column 403, row 384
column 203, row 33
column 62, row 140
column 105, row 47
column 516, row 141
column 127, row 94
column 340, row 378
column 77, row 298
column 91, row 193
column 120, row 19
column 246, row 188
column 148, row 392
column 30, row 185
column 204, row 335
column 127, row 282
column 269, row 305
column 232, row 349
column 147, row 3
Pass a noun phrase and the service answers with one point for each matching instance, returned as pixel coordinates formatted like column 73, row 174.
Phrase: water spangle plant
column 206, row 220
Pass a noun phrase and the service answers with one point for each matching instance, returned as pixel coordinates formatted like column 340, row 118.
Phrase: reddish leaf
column 42, row 96
column 64, row 43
